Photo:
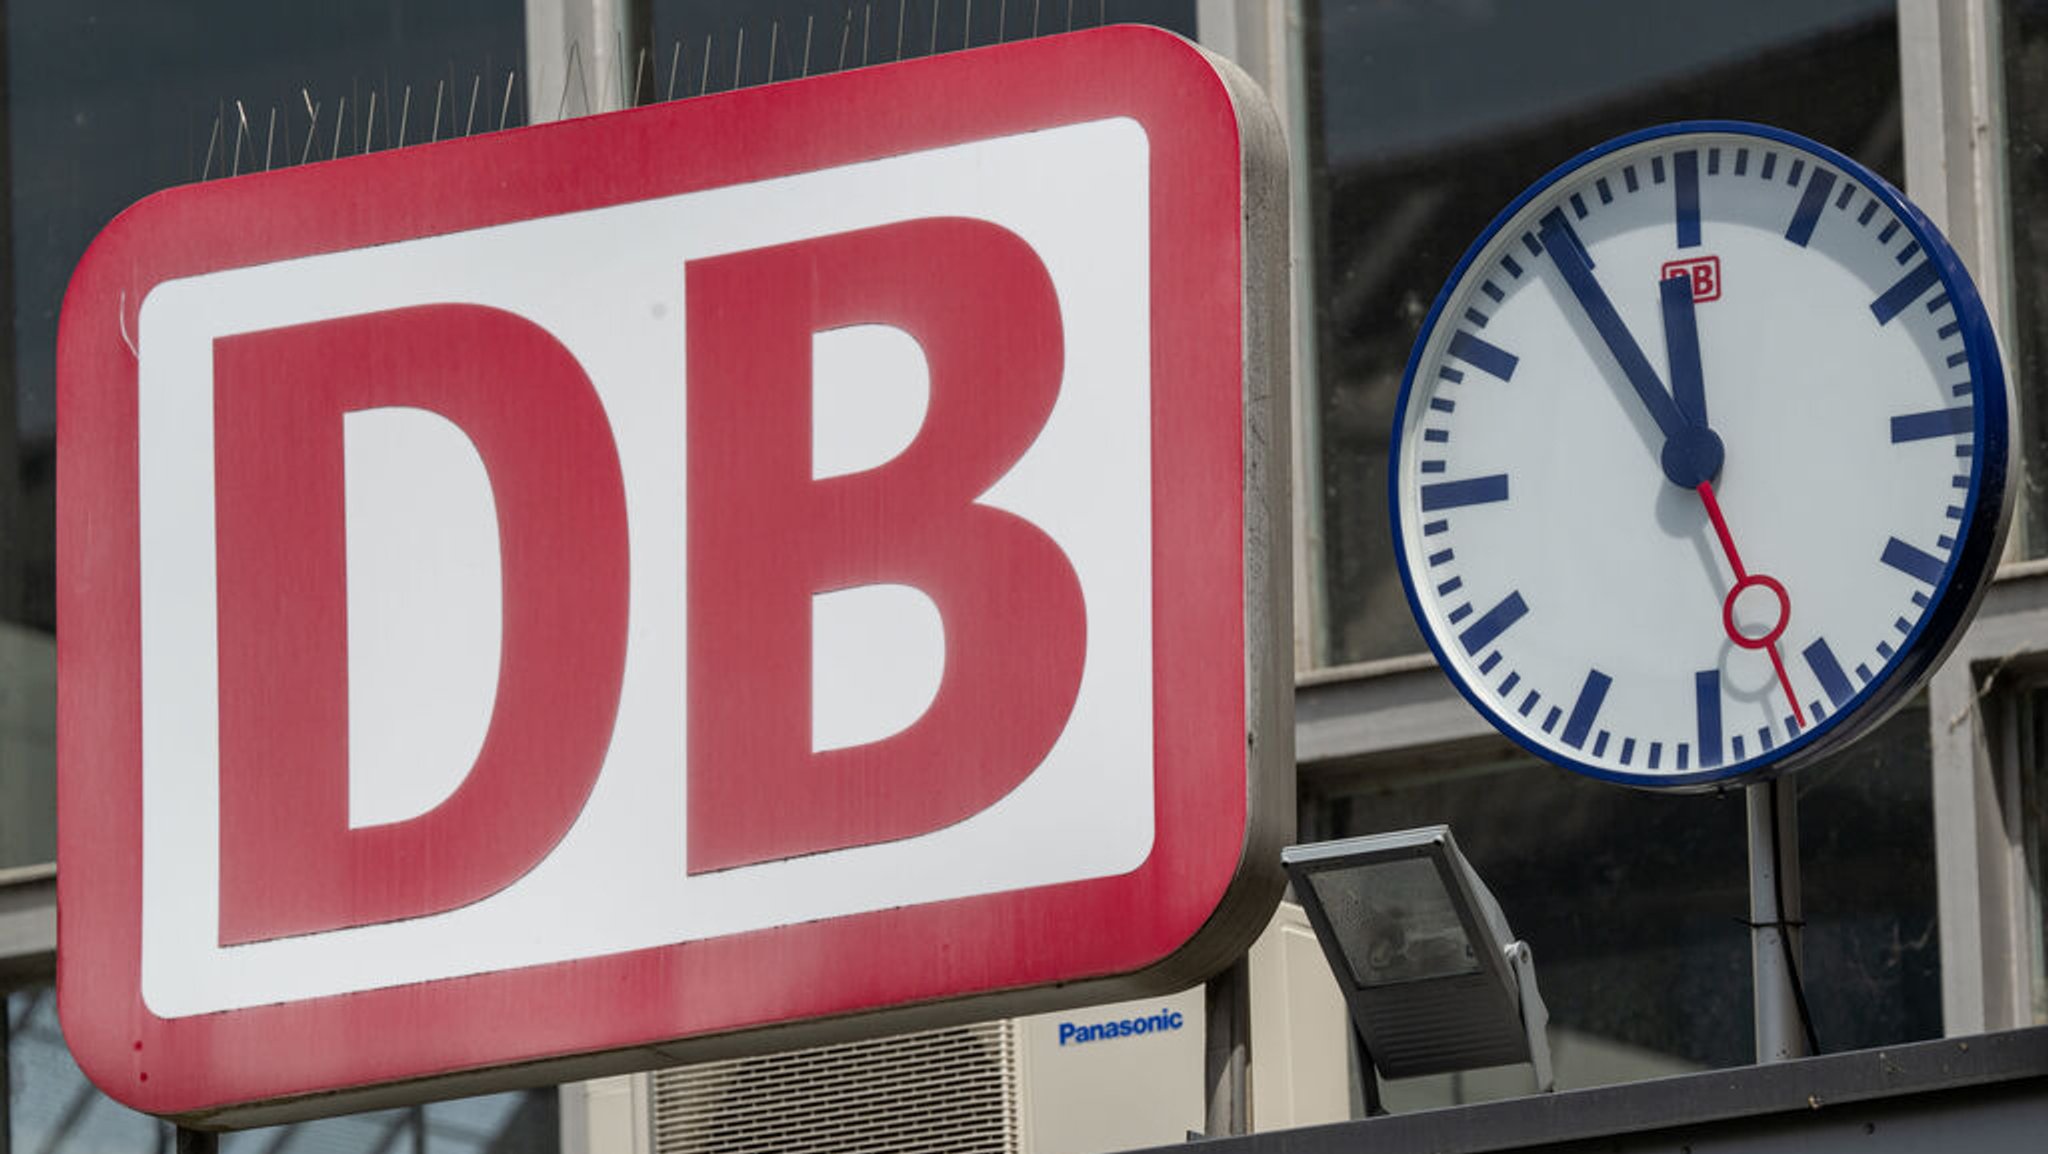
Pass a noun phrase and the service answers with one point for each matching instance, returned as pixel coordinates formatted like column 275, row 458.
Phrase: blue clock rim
column 1981, row 532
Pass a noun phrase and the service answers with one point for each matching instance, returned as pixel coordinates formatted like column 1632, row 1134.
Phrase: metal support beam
column 580, row 56
column 1774, row 921
column 1226, row 1066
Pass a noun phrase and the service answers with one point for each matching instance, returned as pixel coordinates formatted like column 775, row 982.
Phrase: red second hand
column 1743, row 580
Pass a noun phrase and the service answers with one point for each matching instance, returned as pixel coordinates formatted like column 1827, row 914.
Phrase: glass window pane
column 111, row 100
column 707, row 46
column 2026, row 127
column 1635, row 903
column 1431, row 117
column 54, row 1110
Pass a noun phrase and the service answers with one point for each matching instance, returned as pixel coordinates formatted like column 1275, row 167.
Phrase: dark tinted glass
column 1430, row 117
column 700, row 46
column 110, row 100
column 54, row 1110
column 2026, row 127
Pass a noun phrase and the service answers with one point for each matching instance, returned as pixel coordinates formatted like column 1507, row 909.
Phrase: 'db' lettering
column 290, row 864
column 765, row 537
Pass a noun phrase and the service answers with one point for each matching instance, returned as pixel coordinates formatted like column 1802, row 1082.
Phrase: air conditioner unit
column 1102, row 1078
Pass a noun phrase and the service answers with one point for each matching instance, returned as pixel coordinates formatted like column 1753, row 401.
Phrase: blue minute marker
column 1472, row 491
column 1587, row 709
column 1828, row 671
column 1938, row 423
column 1912, row 562
column 1685, row 192
column 1493, row 623
column 1707, row 702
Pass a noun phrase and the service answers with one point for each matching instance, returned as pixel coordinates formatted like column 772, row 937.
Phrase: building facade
column 1411, row 122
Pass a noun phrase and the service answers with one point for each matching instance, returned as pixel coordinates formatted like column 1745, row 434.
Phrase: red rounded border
column 951, row 950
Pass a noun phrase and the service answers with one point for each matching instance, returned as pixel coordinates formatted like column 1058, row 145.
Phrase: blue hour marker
column 1713, row 161
column 1763, row 738
column 1550, row 719
column 1948, row 330
column 1656, row 753
column 1735, row 740
column 1889, row 231
column 1869, row 210
column 1493, row 623
column 1529, row 242
column 1476, row 317
column 1684, row 755
column 1706, row 691
column 1770, row 164
column 1828, row 672
column 1955, row 359
column 1848, row 194
column 1938, row 303
column 1435, row 527
column 1514, row 268
column 1492, row 291
column 1606, row 193
column 1912, row 562
column 1798, row 169
column 1657, row 169
column 1963, row 388
column 1579, row 206
column 1863, row 673
column 1440, row 557
column 1905, row 292
column 1907, row 253
column 1628, row 750
column 1685, row 192
column 1628, row 175
column 1432, row 466
column 1443, row 404
column 1586, row 710
column 1490, row 359
column 1450, row 587
column 1741, row 161
column 1600, row 744
column 1459, row 614
column 1810, row 203
column 1473, row 491
column 1492, row 659
column 1437, row 435
column 1450, row 374
column 1508, row 686
column 1936, row 423
column 1529, row 702
column 1884, row 650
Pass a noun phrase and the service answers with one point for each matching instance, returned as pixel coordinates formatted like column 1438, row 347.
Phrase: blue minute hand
column 1692, row 453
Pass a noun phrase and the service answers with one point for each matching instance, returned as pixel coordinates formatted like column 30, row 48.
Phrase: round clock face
column 1700, row 462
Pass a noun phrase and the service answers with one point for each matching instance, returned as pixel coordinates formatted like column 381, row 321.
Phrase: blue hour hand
column 1682, row 348
column 1692, row 452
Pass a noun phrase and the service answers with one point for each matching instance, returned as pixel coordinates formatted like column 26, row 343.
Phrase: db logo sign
column 576, row 597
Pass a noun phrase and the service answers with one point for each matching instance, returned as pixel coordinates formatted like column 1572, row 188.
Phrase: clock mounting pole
column 1784, row 1022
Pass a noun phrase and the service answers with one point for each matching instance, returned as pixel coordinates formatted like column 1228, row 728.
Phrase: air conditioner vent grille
column 952, row 1090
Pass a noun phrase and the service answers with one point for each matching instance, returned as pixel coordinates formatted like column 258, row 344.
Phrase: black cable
column 1785, row 928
